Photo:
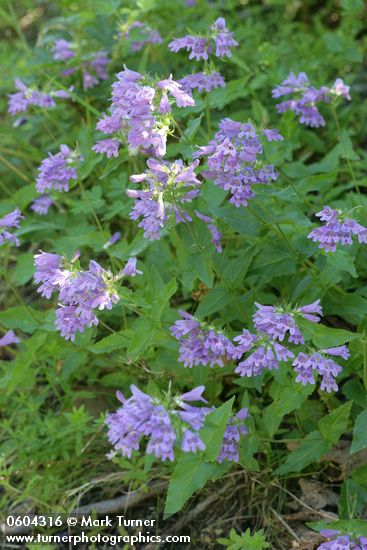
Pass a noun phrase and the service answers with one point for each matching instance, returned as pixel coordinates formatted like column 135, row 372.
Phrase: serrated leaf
column 333, row 425
column 312, row 448
column 190, row 474
column 359, row 433
column 110, row 343
column 326, row 337
column 214, row 428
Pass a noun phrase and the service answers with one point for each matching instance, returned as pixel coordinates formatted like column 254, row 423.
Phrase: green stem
column 364, row 342
column 98, row 223
column 350, row 166
column 208, row 119
column 19, row 297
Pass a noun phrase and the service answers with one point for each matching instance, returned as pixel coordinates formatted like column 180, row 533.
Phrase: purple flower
column 57, row 170
column 235, row 428
column 202, row 82
column 167, row 186
column 216, row 234
column 63, row 50
column 276, row 321
column 141, row 111
column 108, row 147
column 200, row 345
column 164, row 422
column 273, row 135
column 92, row 65
column 42, row 204
column 130, row 269
column 223, row 39
column 307, row 365
column 218, row 42
column 306, row 96
column 267, row 354
column 79, row 292
column 8, row 339
column 27, row 96
column 341, row 542
column 234, row 160
column 139, row 34
column 338, row 229
column 112, row 240
column 340, row 89
column 12, row 219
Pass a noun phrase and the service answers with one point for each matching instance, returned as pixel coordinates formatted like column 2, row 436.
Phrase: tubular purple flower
column 112, row 240
column 218, row 41
column 267, row 355
column 62, row 50
column 306, row 97
column 276, row 321
column 57, row 170
column 130, row 269
column 234, row 161
column 139, row 34
column 108, row 147
column 307, row 365
column 339, row 228
column 27, row 96
column 8, row 339
column 161, row 420
column 42, row 204
column 167, row 186
column 201, row 345
column 79, row 292
column 216, row 234
column 12, row 219
column 202, row 82
column 141, row 111
column 341, row 541
column 235, row 428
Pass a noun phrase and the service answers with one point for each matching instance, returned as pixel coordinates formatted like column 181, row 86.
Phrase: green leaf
column 359, row 433
column 289, row 398
column 144, row 332
column 355, row 527
column 214, row 301
column 214, row 428
column 325, row 337
column 110, row 343
column 190, row 474
column 334, row 424
column 22, row 317
column 312, row 448
column 24, row 270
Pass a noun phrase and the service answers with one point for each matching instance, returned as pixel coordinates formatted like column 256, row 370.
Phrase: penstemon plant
column 180, row 227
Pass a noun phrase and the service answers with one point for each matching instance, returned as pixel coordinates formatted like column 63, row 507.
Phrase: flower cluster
column 235, row 428
column 216, row 234
column 306, row 96
column 266, row 353
column 139, row 34
column 140, row 114
column 57, row 170
column 169, row 422
column 27, row 96
column 234, row 161
column 79, row 292
column 168, row 186
column 166, row 422
column 41, row 204
column 276, row 321
column 306, row 365
column 201, row 345
column 8, row 339
column 218, row 42
column 341, row 542
column 10, row 220
column 339, row 228
column 92, row 67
